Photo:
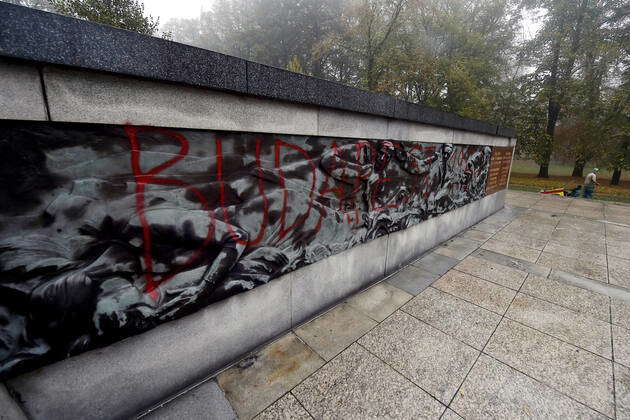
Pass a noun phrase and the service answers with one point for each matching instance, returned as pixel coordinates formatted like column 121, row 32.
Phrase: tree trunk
column 616, row 177
column 557, row 76
column 543, row 172
column 578, row 168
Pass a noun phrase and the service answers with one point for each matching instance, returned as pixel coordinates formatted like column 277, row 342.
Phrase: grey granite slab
column 207, row 401
column 495, row 390
column 413, row 279
column 622, row 391
column 287, row 407
column 356, row 384
column 519, row 239
column 590, row 269
column 621, row 345
column 458, row 248
column 435, row 263
column 617, row 233
column 379, row 301
column 21, row 96
column 532, row 268
column 450, row 415
column 256, row 382
column 430, row 358
column 512, row 250
column 569, row 296
column 571, row 251
column 474, row 290
column 618, row 249
column 476, row 235
column 467, row 322
column 330, row 333
column 570, row 326
column 620, row 312
column 575, row 372
column 492, row 271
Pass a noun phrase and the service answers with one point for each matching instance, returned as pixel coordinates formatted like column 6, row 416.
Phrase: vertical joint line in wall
column 44, row 94
column 386, row 253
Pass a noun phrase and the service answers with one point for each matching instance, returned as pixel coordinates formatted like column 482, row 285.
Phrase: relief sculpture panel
column 107, row 231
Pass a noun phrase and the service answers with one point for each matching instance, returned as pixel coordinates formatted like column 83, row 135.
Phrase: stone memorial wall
column 108, row 231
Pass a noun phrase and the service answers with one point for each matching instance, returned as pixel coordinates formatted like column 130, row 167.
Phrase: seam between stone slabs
column 612, row 339
column 42, row 85
column 298, row 401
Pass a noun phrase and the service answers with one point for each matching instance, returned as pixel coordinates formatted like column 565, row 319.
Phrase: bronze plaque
column 499, row 169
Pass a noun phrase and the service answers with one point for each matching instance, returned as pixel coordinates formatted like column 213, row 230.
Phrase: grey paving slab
column 532, row 268
column 430, row 358
column 578, row 329
column 572, row 297
column 474, row 290
column 379, row 301
column 476, row 235
column 492, row 271
column 571, row 251
column 617, row 233
column 568, row 236
column 435, row 263
column 10, row 410
column 356, row 384
column 530, row 229
column 582, row 225
column 489, row 226
column 519, row 239
column 592, row 270
column 450, row 415
column 618, row 248
column 512, row 250
column 538, row 218
column 458, row 248
column 620, row 312
column 413, row 279
column 207, row 401
column 335, row 330
column 495, row 390
column 256, row 382
column 584, row 376
column 619, row 271
column 286, row 407
column 622, row 391
column 621, row 345
column 467, row 322
column 595, row 247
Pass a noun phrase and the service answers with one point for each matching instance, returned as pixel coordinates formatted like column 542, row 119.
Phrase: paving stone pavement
column 524, row 315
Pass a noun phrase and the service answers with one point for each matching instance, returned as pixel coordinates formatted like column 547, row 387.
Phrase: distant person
column 589, row 183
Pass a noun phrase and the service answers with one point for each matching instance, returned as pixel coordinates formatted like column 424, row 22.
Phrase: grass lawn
column 524, row 177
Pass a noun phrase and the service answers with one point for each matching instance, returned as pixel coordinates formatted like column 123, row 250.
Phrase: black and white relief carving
column 107, row 231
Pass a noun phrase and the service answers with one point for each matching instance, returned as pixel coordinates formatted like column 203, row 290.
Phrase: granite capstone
column 35, row 35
